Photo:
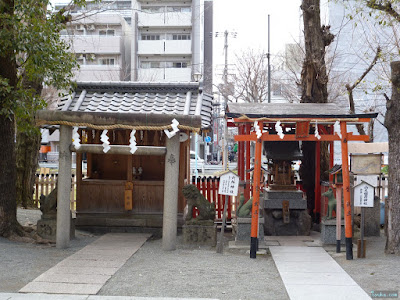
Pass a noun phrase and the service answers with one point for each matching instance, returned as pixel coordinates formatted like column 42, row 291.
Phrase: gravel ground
column 20, row 263
column 189, row 271
column 196, row 272
column 377, row 272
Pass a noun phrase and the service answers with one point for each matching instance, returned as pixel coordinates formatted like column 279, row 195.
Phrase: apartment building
column 102, row 43
column 169, row 40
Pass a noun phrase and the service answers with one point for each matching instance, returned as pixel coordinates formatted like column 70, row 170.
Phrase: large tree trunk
column 28, row 145
column 8, row 72
column 392, row 124
column 8, row 205
column 314, row 82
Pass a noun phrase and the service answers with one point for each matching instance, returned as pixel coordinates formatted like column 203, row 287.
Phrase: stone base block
column 328, row 232
column 200, row 234
column 299, row 223
column 242, row 229
column 46, row 228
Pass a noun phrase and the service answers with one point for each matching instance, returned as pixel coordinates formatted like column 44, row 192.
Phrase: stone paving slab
column 61, row 288
column 81, row 270
column 40, row 296
column 73, row 278
column 70, row 276
column 319, row 278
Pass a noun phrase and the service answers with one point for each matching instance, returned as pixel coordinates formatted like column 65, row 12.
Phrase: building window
column 150, row 37
column 150, row 64
column 108, row 32
column 153, row 9
column 178, row 37
column 172, row 64
column 107, row 61
column 178, row 9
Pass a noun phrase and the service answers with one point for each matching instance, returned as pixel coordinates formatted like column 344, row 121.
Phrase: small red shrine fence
column 208, row 187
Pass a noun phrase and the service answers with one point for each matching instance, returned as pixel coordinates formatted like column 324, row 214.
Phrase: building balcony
column 97, row 44
column 171, row 19
column 99, row 73
column 165, row 74
column 165, row 47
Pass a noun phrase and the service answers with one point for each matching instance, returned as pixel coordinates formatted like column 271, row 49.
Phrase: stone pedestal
column 299, row 222
column 372, row 219
column 242, row 229
column 328, row 232
column 47, row 227
column 274, row 199
column 200, row 234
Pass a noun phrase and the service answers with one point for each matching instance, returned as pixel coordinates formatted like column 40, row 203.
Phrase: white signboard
column 228, row 184
column 371, row 179
column 364, row 195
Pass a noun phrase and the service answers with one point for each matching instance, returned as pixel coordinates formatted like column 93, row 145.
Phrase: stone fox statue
column 331, row 203
column 195, row 199
column 244, row 209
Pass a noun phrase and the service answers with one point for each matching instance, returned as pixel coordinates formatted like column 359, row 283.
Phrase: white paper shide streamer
column 132, row 142
column 257, row 129
column 106, row 142
column 76, row 138
column 279, row 129
column 336, row 129
column 175, row 129
column 316, row 133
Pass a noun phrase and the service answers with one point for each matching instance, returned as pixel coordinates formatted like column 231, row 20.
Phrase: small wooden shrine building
column 136, row 139
column 281, row 122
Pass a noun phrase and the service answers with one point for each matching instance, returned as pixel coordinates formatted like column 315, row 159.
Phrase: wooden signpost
column 228, row 186
column 363, row 197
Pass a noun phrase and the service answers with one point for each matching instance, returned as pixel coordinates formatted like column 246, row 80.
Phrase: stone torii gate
column 107, row 120
column 294, row 122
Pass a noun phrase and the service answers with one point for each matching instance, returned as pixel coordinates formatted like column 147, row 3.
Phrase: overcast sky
column 250, row 20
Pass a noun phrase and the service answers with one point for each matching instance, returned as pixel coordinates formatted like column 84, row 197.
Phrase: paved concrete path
column 86, row 271
column 310, row 272
column 15, row 296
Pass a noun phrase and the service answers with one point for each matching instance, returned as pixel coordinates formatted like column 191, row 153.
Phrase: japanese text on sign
column 228, row 184
column 364, row 195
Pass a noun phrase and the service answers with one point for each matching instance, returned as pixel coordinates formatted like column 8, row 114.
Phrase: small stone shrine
column 284, row 206
column 200, row 230
column 47, row 225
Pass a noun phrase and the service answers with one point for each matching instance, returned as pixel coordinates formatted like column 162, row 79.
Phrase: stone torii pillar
column 171, row 181
column 64, row 188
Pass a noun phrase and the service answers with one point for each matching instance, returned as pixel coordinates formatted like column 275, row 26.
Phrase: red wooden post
column 219, row 202
column 317, row 189
column 256, row 198
column 331, row 159
column 346, row 192
column 247, row 189
column 214, row 193
column 208, row 189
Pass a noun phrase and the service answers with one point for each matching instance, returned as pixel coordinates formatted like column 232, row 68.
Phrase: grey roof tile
column 140, row 98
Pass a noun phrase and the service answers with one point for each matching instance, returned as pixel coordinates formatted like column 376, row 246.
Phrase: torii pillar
column 64, row 188
column 171, row 185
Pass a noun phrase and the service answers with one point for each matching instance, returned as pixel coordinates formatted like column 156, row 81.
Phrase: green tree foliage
column 32, row 55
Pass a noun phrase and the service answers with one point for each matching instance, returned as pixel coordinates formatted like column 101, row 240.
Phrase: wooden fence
column 45, row 183
column 208, row 187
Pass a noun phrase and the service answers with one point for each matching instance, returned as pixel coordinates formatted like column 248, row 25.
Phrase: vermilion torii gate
column 294, row 122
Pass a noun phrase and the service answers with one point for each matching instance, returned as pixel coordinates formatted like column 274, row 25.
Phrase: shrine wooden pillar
column 317, row 189
column 241, row 158
column 346, row 192
column 256, row 198
column 247, row 166
column 331, row 158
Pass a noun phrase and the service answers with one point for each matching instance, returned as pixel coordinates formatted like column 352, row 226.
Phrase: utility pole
column 269, row 66
column 225, row 78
